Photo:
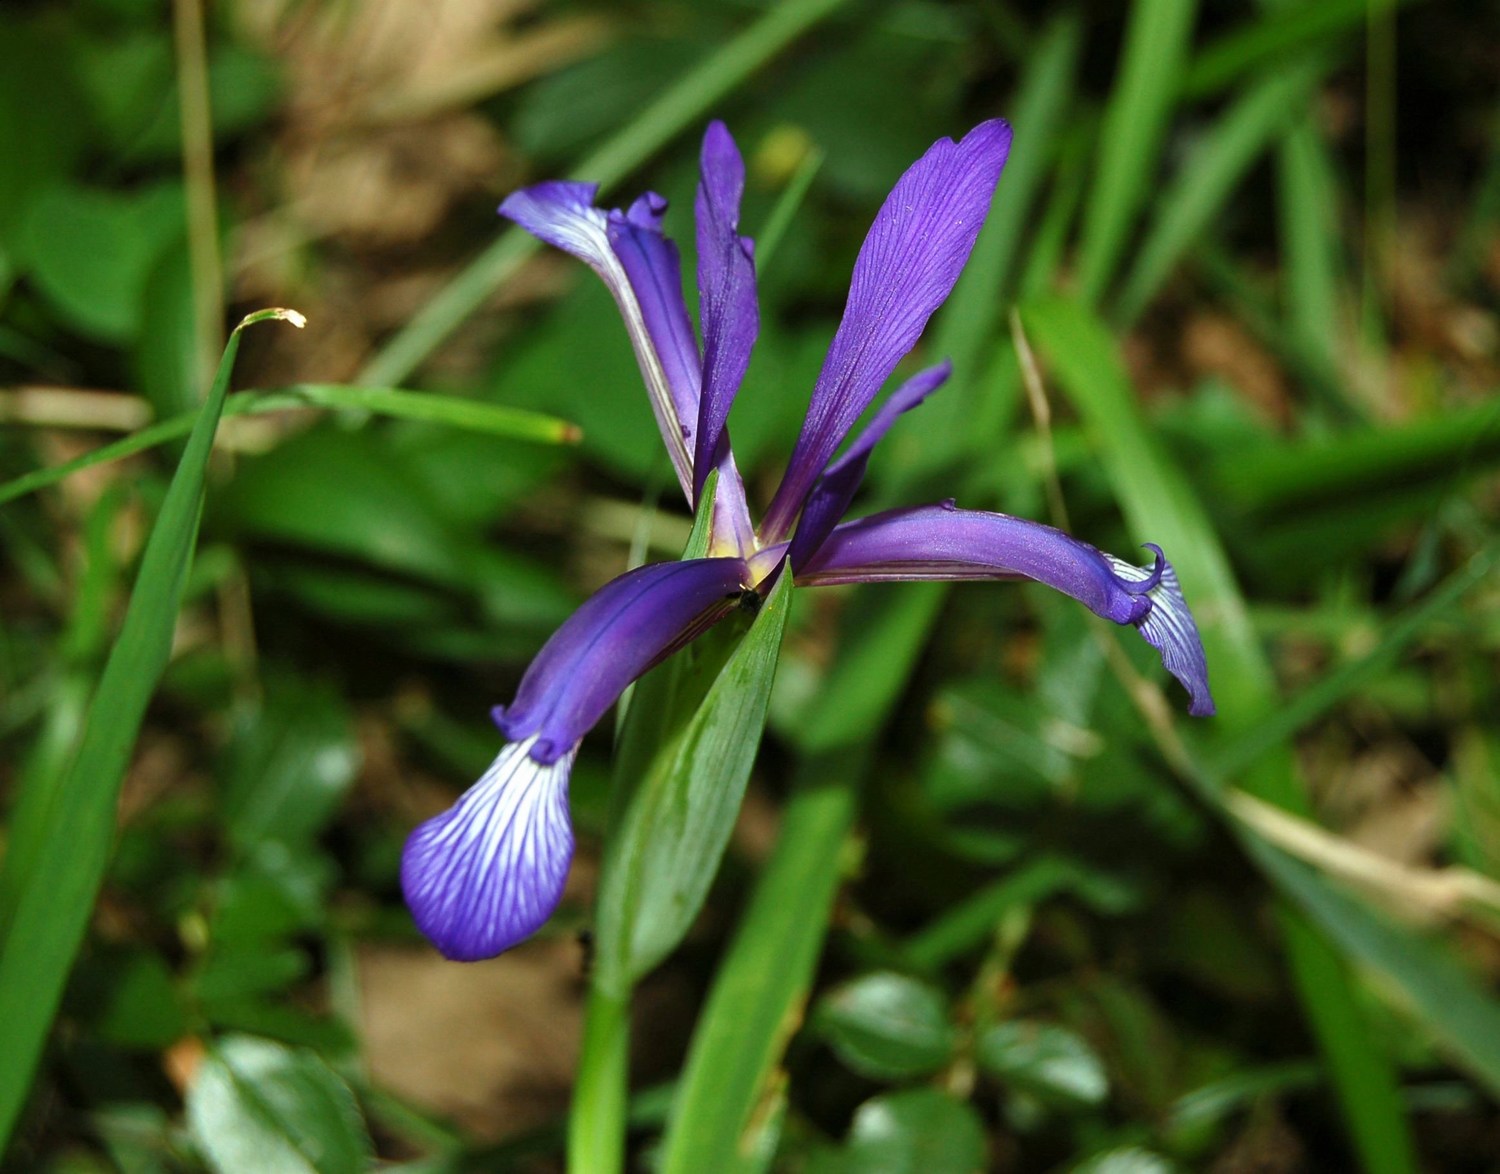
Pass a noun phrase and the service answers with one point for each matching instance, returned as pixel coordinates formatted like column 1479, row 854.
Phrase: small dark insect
column 586, row 948
column 750, row 601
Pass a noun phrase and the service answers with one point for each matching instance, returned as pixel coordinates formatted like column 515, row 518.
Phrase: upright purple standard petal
column 625, row 627
column 642, row 270
column 943, row 542
column 489, row 871
column 726, row 288
column 906, row 268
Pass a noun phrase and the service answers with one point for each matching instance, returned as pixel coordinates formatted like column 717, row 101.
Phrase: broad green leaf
column 44, row 929
column 256, row 1105
column 129, row 998
column 166, row 357
column 291, row 760
column 917, row 1131
column 1125, row 1160
column 887, row 1026
column 664, row 855
column 1044, row 1060
column 91, row 252
column 341, row 493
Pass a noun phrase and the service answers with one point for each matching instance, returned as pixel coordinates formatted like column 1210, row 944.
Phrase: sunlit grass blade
column 457, row 412
column 1130, row 139
column 1272, row 35
column 1160, row 506
column 679, row 106
column 46, row 926
column 1199, row 191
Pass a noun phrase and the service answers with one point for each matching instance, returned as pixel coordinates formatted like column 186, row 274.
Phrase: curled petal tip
column 488, row 872
column 1168, row 626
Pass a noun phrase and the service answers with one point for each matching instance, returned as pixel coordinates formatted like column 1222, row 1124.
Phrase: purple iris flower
column 488, row 872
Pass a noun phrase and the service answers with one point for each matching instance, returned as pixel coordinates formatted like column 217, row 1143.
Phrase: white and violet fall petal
column 488, row 872
column 1169, row 627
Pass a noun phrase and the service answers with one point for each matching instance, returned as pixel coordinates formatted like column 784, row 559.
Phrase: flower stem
column 596, row 1124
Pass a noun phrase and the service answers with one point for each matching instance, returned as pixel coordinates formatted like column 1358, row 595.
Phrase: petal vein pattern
column 915, row 250
column 489, row 871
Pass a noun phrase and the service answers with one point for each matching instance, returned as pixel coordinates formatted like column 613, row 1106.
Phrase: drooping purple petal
column 915, row 250
column 642, row 270
column 728, row 310
column 835, row 489
column 943, row 542
column 621, row 631
column 486, row 873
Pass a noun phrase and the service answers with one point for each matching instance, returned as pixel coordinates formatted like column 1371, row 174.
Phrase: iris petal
column 726, row 286
column 641, row 269
column 944, row 543
column 621, row 631
column 489, row 871
column 907, row 266
column 835, row 489
column 1170, row 629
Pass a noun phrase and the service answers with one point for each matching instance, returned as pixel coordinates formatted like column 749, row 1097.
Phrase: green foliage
column 961, row 890
column 259, row 1105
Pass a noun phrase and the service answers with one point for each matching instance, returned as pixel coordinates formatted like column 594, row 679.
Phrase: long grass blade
column 44, row 930
column 1130, row 141
column 1197, row 194
column 455, row 411
column 1161, row 507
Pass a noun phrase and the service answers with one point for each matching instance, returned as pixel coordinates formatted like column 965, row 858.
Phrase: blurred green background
column 991, row 904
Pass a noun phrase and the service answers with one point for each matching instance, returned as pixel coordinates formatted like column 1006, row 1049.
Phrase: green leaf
column 664, row 855
column 256, row 1105
column 368, row 506
column 917, row 1131
column 291, row 762
column 75, row 829
column 888, row 1026
column 1130, row 1159
column 729, row 1084
column 1047, row 1061
column 92, row 252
